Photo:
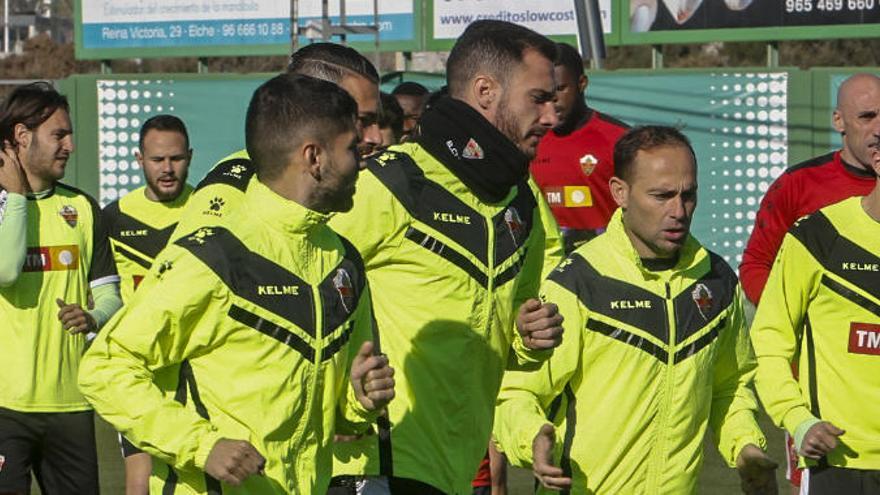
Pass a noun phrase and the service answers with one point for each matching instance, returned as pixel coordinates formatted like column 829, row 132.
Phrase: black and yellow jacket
column 448, row 272
column 240, row 331
column 821, row 309
column 648, row 361
column 139, row 228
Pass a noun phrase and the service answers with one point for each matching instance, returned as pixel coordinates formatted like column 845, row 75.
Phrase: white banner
column 138, row 11
column 312, row 8
column 548, row 17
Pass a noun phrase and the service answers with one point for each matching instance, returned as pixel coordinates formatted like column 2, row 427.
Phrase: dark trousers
column 837, row 481
column 58, row 447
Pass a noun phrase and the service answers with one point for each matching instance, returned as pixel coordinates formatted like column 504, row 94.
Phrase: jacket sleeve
column 777, row 329
column 554, row 246
column 13, row 236
column 353, row 417
column 526, row 393
column 528, row 284
column 168, row 321
column 732, row 415
column 775, row 216
column 375, row 223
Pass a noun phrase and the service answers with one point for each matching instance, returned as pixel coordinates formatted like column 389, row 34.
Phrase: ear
column 311, row 154
column 837, row 121
column 139, row 157
column 619, row 191
column 485, row 91
column 583, row 82
column 22, row 135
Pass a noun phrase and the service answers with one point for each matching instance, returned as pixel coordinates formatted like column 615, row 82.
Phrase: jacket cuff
column 524, row 355
column 801, row 431
column 206, row 444
column 355, row 412
column 796, row 417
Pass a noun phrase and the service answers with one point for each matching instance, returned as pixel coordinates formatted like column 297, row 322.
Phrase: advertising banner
column 449, row 18
column 398, row 21
column 685, row 21
column 191, row 27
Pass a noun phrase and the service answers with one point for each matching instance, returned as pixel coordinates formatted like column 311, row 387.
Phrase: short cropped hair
column 494, row 48
column 331, row 62
column 410, row 88
column 289, row 108
column 391, row 115
column 567, row 56
column 31, row 105
column 163, row 122
column 645, row 138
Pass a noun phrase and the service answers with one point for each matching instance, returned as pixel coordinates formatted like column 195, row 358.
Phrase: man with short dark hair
column 234, row 356
column 140, row 225
column 656, row 348
column 55, row 255
column 221, row 190
column 412, row 97
column 453, row 245
column 575, row 159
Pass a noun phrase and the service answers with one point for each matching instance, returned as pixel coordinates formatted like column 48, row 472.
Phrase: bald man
column 814, row 184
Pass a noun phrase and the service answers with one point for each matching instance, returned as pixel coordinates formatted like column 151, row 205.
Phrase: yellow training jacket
column 648, row 361
column 448, row 273
column 821, row 307
column 240, row 331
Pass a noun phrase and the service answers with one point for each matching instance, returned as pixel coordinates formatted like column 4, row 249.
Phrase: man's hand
column 757, row 472
column 75, row 319
column 820, row 439
column 550, row 476
column 372, row 378
column 540, row 324
column 12, row 176
column 232, row 461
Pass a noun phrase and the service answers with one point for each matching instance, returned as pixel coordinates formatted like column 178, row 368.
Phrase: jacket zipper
column 659, row 454
column 490, row 280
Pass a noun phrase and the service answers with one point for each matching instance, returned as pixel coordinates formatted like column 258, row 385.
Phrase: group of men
column 330, row 312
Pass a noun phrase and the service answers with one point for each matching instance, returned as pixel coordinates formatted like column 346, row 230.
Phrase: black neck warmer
column 485, row 160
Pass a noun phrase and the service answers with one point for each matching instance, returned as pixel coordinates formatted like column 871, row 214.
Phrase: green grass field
column 716, row 478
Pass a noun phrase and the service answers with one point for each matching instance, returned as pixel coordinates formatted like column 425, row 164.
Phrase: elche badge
column 69, row 214
column 588, row 163
column 342, row 282
column 702, row 297
column 472, row 150
column 514, row 224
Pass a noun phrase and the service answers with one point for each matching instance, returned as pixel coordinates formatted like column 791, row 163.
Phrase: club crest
column 514, row 224
column 588, row 164
column 702, row 297
column 472, row 151
column 344, row 287
column 69, row 214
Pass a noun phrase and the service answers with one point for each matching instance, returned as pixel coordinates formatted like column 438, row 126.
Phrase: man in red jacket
column 575, row 160
column 814, row 184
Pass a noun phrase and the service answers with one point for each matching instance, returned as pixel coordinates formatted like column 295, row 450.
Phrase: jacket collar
column 280, row 213
column 689, row 256
column 476, row 152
